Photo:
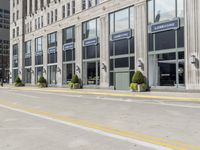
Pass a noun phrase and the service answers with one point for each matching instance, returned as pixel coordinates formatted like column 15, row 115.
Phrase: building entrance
column 92, row 75
column 122, row 80
column 167, row 69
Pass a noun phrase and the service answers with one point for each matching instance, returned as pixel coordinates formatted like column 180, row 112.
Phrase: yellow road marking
column 176, row 145
column 132, row 95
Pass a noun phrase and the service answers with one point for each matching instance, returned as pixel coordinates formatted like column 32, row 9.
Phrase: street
column 45, row 120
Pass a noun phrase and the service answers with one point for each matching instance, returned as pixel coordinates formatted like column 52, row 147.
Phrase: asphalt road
column 31, row 120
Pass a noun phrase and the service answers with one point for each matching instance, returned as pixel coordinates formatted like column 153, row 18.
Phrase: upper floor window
column 17, row 31
column 63, row 11
column 13, row 17
column 42, row 24
column 38, row 44
column 52, row 39
column 28, row 47
column 89, row 3
column 159, row 10
column 68, row 9
column 41, row 3
column 13, row 33
column 91, row 29
column 13, row 3
column 122, row 20
column 56, row 14
column 68, row 35
column 51, row 16
column 17, row 14
column 48, row 18
column 73, row 7
column 83, row 4
column 28, row 53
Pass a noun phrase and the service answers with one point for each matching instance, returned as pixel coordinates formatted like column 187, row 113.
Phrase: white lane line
column 134, row 141
column 25, row 95
column 65, row 95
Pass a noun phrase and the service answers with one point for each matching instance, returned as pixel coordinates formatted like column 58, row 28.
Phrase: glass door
column 93, row 73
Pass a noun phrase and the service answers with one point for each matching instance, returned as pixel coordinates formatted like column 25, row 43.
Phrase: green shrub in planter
column 138, row 78
column 42, row 82
column 75, row 79
column 18, row 82
column 74, row 84
column 144, row 87
column 134, row 86
column 70, row 84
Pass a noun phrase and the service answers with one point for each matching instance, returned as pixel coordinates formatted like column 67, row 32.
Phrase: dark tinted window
column 150, row 42
column 111, row 64
column 132, row 44
column 165, row 40
column 90, row 52
column 180, row 36
column 121, row 47
column 111, row 48
column 132, row 63
column 111, row 79
column 167, row 56
column 181, row 55
column 121, row 62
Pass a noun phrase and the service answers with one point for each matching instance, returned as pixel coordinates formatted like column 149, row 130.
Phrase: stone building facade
column 105, row 41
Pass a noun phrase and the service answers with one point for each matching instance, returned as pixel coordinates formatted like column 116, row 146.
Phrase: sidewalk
column 177, row 96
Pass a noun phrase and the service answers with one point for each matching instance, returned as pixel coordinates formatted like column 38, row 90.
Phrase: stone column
column 59, row 58
column 39, row 4
column 28, row 9
column 78, row 51
column 192, row 44
column 33, row 6
column 45, row 56
column 11, row 60
column 21, row 60
column 104, row 51
column 33, row 61
column 140, row 30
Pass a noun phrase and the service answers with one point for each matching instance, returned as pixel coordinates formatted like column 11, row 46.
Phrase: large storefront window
column 91, row 52
column 68, row 54
column 28, row 75
column 51, row 75
column 68, row 72
column 28, row 53
column 52, row 48
column 68, row 44
column 166, row 45
column 39, row 51
column 38, row 73
column 15, row 55
column 122, row 48
column 14, row 75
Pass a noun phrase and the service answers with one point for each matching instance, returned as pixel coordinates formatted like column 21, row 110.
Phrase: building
column 4, row 40
column 105, row 41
